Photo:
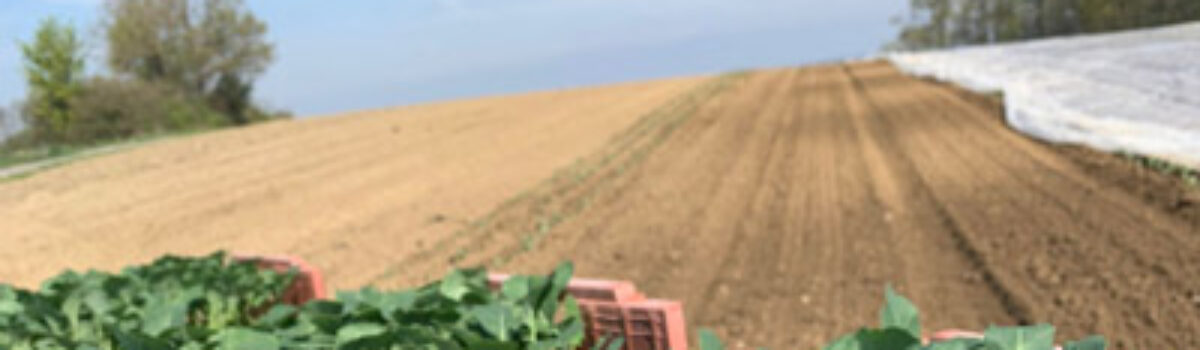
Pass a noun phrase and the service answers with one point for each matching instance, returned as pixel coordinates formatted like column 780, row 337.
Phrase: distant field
column 776, row 204
column 351, row 193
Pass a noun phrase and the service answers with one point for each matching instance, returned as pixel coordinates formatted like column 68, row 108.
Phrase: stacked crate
column 614, row 309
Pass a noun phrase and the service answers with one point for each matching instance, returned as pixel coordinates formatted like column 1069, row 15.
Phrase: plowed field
column 778, row 209
column 351, row 193
column 775, row 204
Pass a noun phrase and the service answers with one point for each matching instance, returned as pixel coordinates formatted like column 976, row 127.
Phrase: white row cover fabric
column 1136, row 91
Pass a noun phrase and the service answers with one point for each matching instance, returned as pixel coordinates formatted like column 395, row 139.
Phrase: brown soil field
column 351, row 194
column 778, row 210
column 775, row 204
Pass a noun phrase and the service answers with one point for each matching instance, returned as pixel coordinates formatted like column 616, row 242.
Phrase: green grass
column 28, row 155
column 57, row 155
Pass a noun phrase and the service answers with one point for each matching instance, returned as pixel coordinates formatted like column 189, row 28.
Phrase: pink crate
column 585, row 288
column 617, row 309
column 645, row 324
column 309, row 283
column 610, row 308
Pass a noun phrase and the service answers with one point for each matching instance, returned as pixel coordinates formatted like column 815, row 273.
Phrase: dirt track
column 775, row 204
column 780, row 208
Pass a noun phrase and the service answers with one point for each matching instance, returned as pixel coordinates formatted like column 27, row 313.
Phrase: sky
column 338, row 56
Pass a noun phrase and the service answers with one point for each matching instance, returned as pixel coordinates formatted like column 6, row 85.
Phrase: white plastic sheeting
column 1135, row 91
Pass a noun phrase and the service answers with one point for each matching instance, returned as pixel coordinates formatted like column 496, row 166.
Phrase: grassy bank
column 18, row 162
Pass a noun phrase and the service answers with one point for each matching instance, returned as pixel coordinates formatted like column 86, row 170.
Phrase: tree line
column 949, row 23
column 172, row 65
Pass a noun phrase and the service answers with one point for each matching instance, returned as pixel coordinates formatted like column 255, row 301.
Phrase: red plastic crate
column 309, row 283
column 586, row 288
column 617, row 309
column 610, row 308
column 645, row 324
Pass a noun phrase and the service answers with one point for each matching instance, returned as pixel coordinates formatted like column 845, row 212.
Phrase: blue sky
column 335, row 56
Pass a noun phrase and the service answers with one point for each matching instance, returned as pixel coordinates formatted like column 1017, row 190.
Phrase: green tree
column 945, row 23
column 6, row 127
column 54, row 64
column 213, row 49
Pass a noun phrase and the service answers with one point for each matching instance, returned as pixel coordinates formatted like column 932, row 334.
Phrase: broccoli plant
column 900, row 329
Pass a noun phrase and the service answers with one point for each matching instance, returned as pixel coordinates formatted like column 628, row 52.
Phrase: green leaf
column 237, row 338
column 710, row 341
column 454, row 286
column 515, row 288
column 899, row 312
column 846, row 342
column 571, row 310
column 497, row 320
column 7, row 293
column 10, row 307
column 885, row 339
column 1090, row 343
column 98, row 302
column 1038, row 337
column 548, row 299
column 355, row 331
column 276, row 316
column 490, row 344
column 571, row 334
column 615, row 343
column 162, row 315
column 71, row 308
column 135, row 341
column 958, row 344
column 393, row 303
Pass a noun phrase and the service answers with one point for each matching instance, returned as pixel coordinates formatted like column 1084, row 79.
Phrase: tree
column 116, row 108
column 945, row 23
column 54, row 67
column 5, row 126
column 213, row 49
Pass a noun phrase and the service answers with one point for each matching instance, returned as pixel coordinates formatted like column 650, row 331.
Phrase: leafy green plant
column 457, row 312
column 209, row 303
column 171, row 301
column 710, row 341
column 900, row 329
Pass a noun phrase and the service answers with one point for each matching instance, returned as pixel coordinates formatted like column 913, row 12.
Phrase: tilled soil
column 351, row 194
column 778, row 208
column 775, row 204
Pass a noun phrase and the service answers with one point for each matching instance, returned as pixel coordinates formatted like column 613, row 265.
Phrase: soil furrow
column 868, row 177
column 921, row 199
column 776, row 205
column 1045, row 234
